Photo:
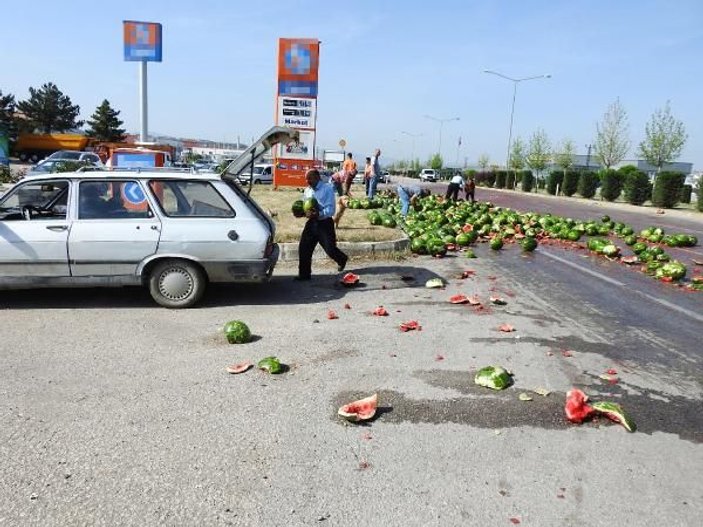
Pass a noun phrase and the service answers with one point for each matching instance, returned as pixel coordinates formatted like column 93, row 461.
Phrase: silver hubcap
column 175, row 283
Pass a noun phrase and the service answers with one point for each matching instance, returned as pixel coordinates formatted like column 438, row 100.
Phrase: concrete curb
column 289, row 251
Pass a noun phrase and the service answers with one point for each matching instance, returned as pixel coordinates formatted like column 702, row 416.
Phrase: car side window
column 110, row 199
column 36, row 201
column 179, row 198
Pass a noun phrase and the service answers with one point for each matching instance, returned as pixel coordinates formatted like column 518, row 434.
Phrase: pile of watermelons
column 435, row 226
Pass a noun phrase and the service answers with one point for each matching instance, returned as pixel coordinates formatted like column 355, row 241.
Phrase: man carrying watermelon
column 408, row 195
column 319, row 208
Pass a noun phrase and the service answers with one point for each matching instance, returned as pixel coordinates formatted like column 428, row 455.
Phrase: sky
column 384, row 66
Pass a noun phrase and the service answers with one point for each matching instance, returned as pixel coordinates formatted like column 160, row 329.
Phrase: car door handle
column 232, row 235
column 57, row 228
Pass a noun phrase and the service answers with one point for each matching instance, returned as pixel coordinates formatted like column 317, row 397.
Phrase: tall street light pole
column 441, row 124
column 512, row 107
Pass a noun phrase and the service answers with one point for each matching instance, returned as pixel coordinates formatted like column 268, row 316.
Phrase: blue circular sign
column 133, row 193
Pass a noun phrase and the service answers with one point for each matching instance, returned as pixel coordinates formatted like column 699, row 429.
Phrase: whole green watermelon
column 237, row 332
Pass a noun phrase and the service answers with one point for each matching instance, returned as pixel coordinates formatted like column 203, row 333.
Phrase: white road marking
column 660, row 301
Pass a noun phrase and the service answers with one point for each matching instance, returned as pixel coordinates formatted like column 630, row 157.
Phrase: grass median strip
column 353, row 227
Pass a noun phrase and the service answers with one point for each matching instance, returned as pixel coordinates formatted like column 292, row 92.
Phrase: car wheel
column 257, row 182
column 177, row 283
column 34, row 158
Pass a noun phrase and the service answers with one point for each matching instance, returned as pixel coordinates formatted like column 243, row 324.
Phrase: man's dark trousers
column 322, row 232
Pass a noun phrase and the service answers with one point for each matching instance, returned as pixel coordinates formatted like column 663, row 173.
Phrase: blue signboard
column 133, row 193
column 142, row 41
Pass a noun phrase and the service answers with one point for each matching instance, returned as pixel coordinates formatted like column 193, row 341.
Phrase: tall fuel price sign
column 296, row 107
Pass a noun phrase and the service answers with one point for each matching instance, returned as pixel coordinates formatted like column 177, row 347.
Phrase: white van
column 262, row 174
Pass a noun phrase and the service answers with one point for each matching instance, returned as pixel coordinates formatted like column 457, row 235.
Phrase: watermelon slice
column 434, row 283
column 614, row 412
column 350, row 279
column 498, row 301
column 380, row 311
column 576, row 408
column 506, row 328
column 459, row 299
column 468, row 273
column 410, row 325
column 332, row 315
column 474, row 301
column 270, row 365
column 360, row 410
column 239, row 368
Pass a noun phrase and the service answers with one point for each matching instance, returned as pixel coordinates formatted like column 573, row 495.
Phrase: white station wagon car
column 172, row 232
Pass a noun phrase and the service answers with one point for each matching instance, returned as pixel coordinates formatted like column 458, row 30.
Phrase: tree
column 564, row 155
column 664, row 139
column 483, row 161
column 612, row 136
column 436, row 162
column 517, row 155
column 49, row 110
column 105, row 124
column 539, row 151
column 7, row 112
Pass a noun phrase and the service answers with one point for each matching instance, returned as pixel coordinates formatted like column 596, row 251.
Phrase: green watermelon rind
column 493, row 377
column 616, row 413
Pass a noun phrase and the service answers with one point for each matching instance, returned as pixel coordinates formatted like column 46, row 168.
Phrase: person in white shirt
column 455, row 185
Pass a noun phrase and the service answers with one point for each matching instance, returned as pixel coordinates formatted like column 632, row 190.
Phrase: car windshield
column 39, row 195
column 258, row 170
column 65, row 155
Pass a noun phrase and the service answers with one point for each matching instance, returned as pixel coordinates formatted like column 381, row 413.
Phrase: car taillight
column 269, row 247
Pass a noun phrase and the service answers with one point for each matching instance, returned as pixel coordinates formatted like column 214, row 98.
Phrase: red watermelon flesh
column 576, row 408
column 350, row 279
column 239, row 368
column 380, row 311
column 410, row 325
column 459, row 299
column 360, row 410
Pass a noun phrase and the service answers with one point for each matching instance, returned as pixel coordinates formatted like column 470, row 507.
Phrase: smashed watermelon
column 459, row 299
column 576, row 409
column 239, row 368
column 493, row 377
column 361, row 410
column 350, row 279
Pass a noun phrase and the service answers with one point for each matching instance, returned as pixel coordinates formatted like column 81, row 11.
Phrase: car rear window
column 178, row 198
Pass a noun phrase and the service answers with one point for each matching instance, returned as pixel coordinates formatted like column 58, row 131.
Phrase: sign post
column 296, row 107
column 142, row 43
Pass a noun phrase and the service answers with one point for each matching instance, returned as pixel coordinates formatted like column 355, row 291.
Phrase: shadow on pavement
column 281, row 290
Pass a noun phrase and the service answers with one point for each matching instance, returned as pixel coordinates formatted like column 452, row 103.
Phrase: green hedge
column 527, row 180
column 699, row 191
column 510, row 180
column 541, row 183
column 588, row 183
column 667, row 189
column 611, row 184
column 571, row 182
column 686, row 192
column 637, row 187
column 501, row 176
column 555, row 178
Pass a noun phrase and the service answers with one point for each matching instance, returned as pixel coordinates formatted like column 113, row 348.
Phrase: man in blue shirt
column 375, row 173
column 319, row 227
column 408, row 194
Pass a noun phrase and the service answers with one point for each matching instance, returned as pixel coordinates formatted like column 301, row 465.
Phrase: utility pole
column 588, row 156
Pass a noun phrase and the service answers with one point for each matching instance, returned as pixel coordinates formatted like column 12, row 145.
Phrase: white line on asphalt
column 666, row 303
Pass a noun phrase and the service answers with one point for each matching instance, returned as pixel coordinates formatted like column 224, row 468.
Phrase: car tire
column 177, row 284
column 257, row 182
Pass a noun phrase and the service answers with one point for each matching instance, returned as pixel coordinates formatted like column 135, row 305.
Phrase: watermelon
column 630, row 240
column 639, row 247
column 380, row 311
column 610, row 250
column 614, row 412
column 237, row 332
column 674, row 270
column 270, row 365
column 459, row 299
column 389, row 222
column 297, row 209
column 361, row 410
column 528, row 244
column 576, row 408
column 350, row 279
column 462, row 240
column 417, row 246
column 496, row 244
column 309, row 205
column 434, row 283
column 605, row 219
column 493, row 377
column 239, row 368
column 469, row 253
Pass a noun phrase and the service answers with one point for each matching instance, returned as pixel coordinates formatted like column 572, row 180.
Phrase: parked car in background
column 428, row 174
column 75, row 155
column 49, row 166
column 385, row 177
column 262, row 174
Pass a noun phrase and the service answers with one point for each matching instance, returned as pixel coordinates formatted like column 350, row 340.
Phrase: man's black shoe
column 301, row 278
column 343, row 265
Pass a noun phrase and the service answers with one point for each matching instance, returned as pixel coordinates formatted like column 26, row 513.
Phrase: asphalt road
column 113, row 411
